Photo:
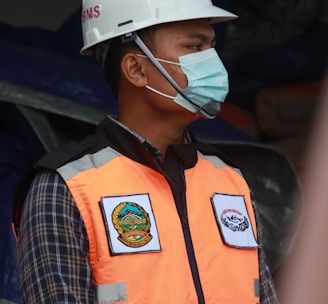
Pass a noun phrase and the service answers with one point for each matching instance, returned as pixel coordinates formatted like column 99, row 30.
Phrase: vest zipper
column 181, row 205
column 191, row 254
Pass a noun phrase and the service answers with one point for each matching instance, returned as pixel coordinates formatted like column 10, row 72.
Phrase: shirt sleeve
column 268, row 293
column 52, row 247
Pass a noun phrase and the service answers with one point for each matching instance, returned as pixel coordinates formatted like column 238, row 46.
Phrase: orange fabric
column 227, row 274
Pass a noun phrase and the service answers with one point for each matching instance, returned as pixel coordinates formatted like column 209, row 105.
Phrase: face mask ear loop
column 152, row 58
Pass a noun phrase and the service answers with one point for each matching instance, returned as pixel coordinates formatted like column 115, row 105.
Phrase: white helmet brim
column 135, row 15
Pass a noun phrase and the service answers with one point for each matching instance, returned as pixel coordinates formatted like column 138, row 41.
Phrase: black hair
column 112, row 62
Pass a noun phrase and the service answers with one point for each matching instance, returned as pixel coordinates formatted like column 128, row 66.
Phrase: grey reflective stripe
column 87, row 162
column 257, row 287
column 217, row 162
column 111, row 293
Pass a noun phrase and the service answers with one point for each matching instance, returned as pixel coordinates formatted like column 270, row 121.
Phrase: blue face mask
column 207, row 81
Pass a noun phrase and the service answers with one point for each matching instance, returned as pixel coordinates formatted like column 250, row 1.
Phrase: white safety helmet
column 106, row 19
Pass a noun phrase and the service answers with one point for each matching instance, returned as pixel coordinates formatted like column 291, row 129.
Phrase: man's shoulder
column 51, row 161
column 75, row 149
column 70, row 151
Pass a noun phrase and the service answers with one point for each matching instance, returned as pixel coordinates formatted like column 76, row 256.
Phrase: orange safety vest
column 125, row 270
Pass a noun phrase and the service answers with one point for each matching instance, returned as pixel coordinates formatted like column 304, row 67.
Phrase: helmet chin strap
column 133, row 36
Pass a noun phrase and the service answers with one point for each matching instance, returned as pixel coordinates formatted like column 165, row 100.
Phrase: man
column 140, row 212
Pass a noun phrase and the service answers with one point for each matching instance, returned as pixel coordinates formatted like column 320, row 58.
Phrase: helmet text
column 91, row 13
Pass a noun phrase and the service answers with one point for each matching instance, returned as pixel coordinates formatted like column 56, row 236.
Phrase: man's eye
column 196, row 47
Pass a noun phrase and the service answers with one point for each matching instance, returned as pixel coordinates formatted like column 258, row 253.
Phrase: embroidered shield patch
column 132, row 223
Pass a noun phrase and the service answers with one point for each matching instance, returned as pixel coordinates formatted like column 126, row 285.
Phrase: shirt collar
column 151, row 148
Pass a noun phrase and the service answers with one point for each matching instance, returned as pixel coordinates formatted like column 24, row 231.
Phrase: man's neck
column 159, row 132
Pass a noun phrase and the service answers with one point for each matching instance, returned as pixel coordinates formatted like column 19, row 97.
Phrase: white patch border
column 109, row 203
column 238, row 239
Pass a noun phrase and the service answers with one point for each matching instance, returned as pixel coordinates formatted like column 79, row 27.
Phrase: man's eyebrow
column 202, row 37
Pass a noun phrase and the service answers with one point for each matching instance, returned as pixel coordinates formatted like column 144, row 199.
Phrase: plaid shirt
column 53, row 248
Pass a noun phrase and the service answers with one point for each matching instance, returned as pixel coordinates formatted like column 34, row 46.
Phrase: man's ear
column 134, row 69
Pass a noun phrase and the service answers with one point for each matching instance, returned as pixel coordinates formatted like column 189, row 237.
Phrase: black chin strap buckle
column 128, row 37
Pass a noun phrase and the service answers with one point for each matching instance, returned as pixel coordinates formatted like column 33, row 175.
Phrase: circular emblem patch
column 132, row 223
column 234, row 220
